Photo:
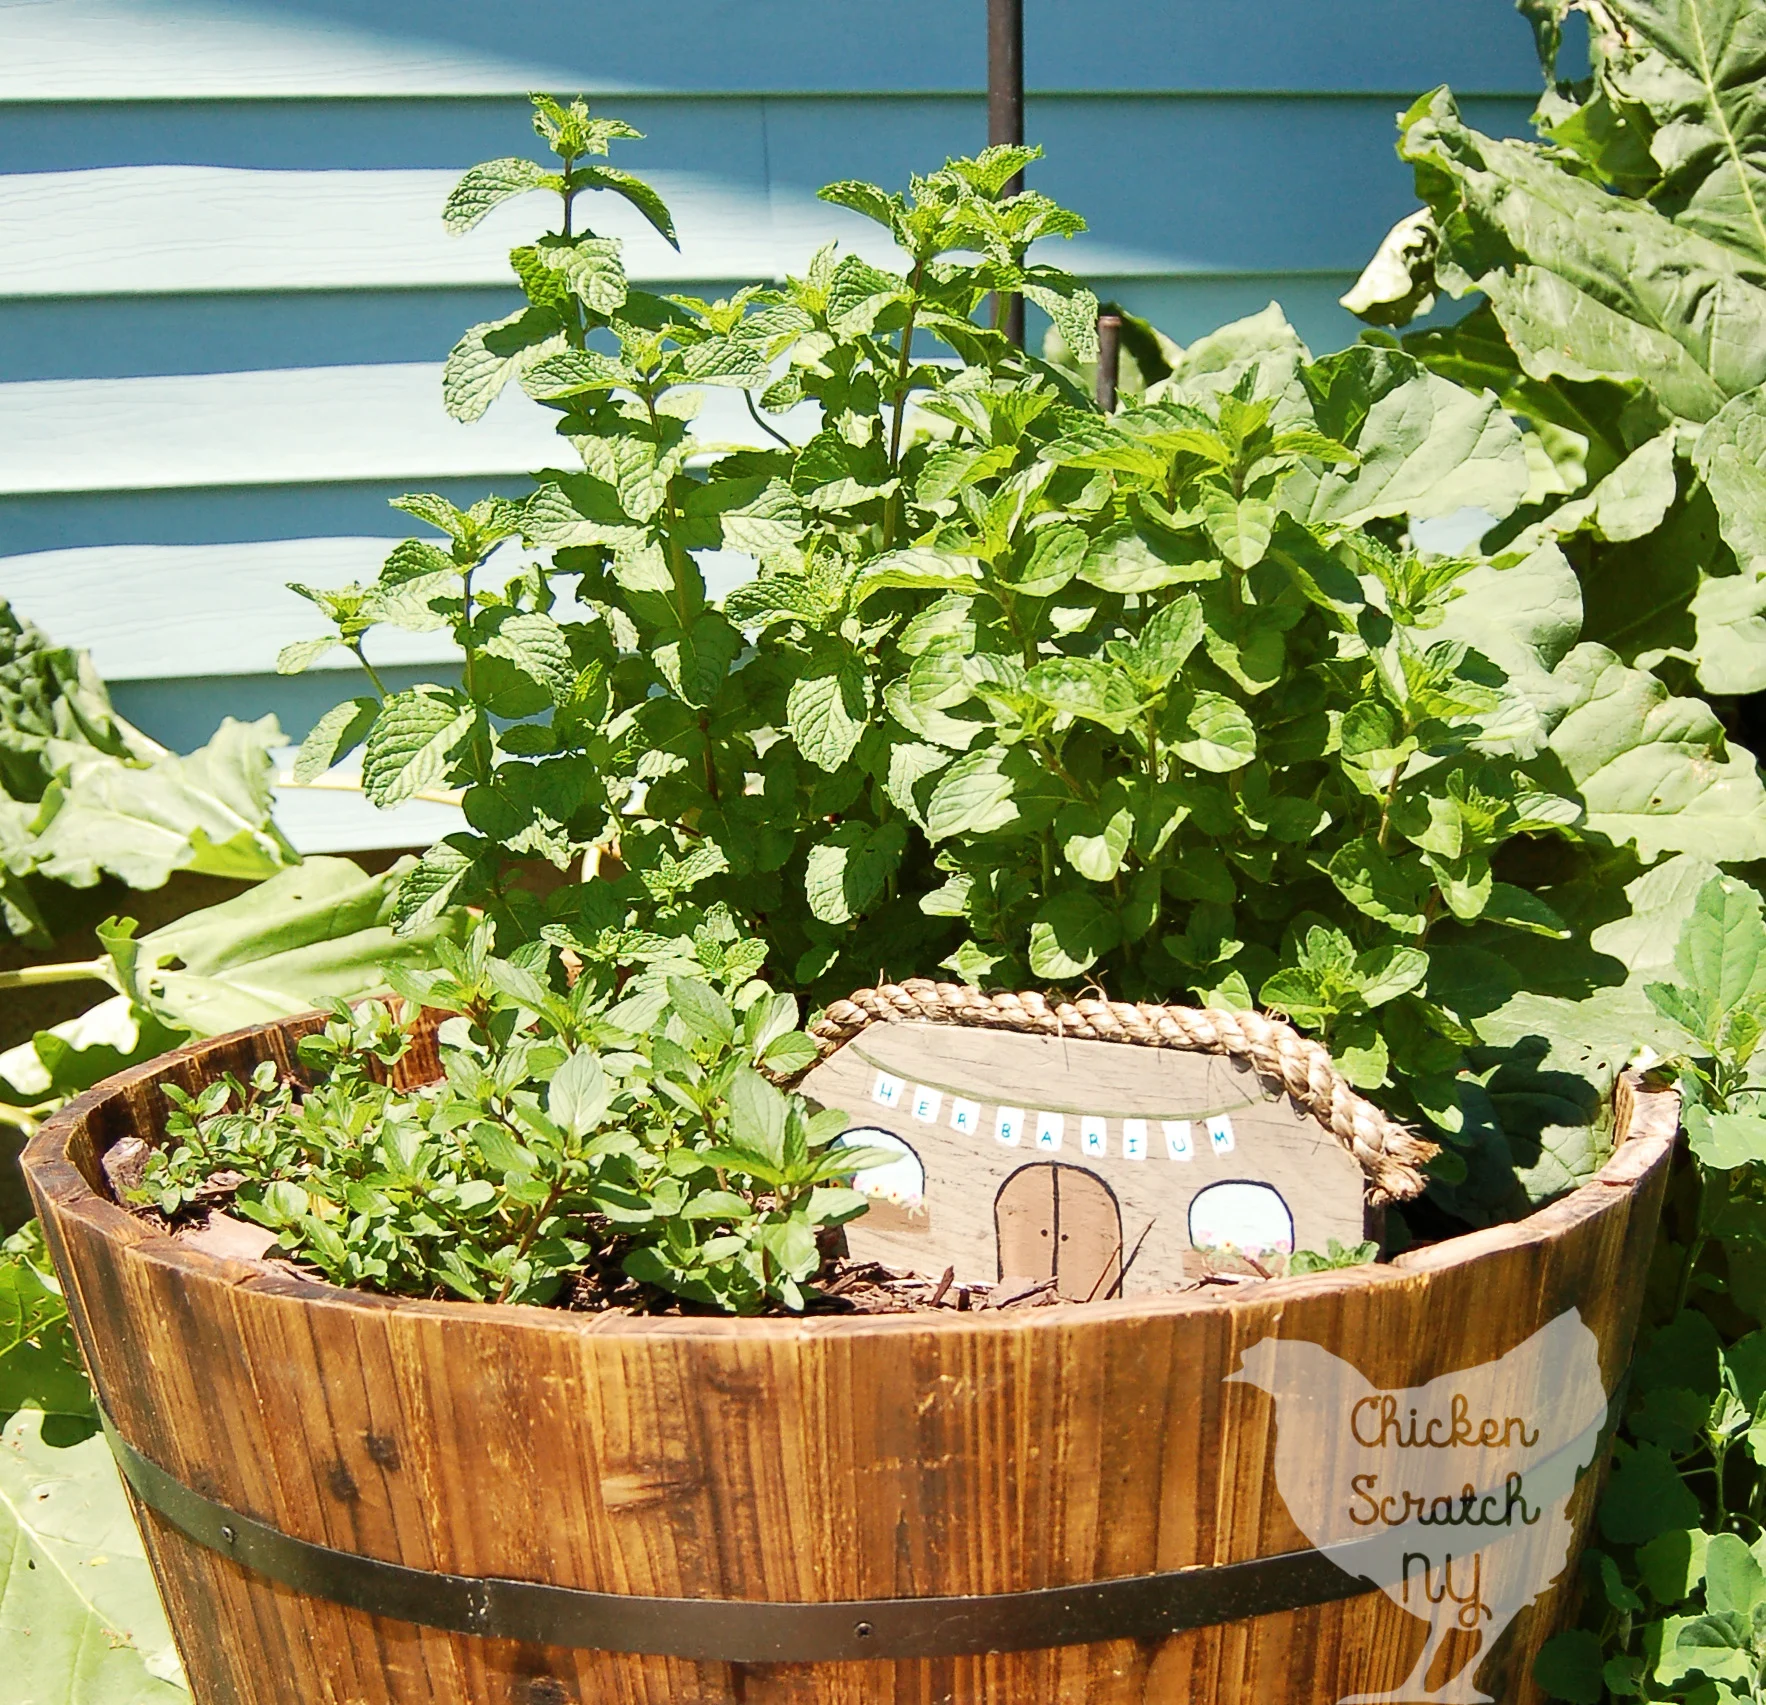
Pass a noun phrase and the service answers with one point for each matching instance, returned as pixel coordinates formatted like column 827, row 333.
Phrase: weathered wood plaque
column 1111, row 1167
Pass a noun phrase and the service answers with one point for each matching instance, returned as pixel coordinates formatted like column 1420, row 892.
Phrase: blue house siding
column 225, row 293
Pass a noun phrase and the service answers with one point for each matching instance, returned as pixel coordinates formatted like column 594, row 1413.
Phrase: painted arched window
column 900, row 1182
column 1238, row 1215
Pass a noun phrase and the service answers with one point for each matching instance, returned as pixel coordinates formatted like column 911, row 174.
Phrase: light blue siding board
column 295, row 426
column 208, row 228
column 308, row 425
column 1303, row 185
column 225, row 514
column 136, row 337
column 84, row 49
column 330, row 820
column 162, row 612
column 681, row 134
column 167, row 612
column 183, row 714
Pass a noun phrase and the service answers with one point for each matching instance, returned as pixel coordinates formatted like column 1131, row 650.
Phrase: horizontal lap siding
column 225, row 292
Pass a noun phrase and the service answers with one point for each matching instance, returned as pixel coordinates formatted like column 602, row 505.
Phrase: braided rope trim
column 1391, row 1155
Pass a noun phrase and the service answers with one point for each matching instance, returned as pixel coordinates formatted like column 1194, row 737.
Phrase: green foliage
column 1676, row 1595
column 1335, row 1256
column 40, row 1365
column 1622, row 262
column 321, row 931
column 83, row 795
column 574, row 1131
column 83, row 1622
column 1164, row 700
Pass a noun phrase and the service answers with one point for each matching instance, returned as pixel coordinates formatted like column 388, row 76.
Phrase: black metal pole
column 1109, row 359
column 1005, row 113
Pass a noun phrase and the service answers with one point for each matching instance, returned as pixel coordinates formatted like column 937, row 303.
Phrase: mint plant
column 1167, row 701
column 573, row 1132
column 630, row 722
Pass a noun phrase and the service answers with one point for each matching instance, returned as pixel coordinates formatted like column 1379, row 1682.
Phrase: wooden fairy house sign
column 1115, row 1148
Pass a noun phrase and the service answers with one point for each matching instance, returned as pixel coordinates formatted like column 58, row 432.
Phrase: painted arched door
column 1060, row 1222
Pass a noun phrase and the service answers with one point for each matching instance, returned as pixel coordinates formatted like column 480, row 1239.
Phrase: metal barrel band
column 750, row 1630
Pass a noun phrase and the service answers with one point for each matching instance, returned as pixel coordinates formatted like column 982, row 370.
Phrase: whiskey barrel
column 355, row 1500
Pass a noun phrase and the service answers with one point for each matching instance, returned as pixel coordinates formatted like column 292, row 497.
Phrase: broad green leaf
column 1698, row 66
column 209, row 812
column 80, row 1621
column 40, row 1366
column 1219, row 735
column 490, row 355
column 489, row 186
column 637, row 468
column 757, row 1117
column 304, row 937
column 1733, row 1577
column 574, row 372
column 1239, row 527
column 413, row 744
column 694, row 661
column 1076, row 686
column 1071, row 932
column 1094, row 845
column 915, row 570
column 579, row 1093
column 1729, row 611
column 1654, row 771
column 535, row 646
column 846, row 873
column 768, row 523
column 858, row 294
column 1104, row 444
column 1388, row 972
column 1588, row 284
column 868, row 199
column 1673, row 1564
column 724, row 361
column 1426, row 447
column 429, row 887
column 590, row 266
column 1126, row 558
column 1525, row 618
column 1645, row 1497
column 1569, row 1667
column 1523, row 910
column 338, row 732
column 634, row 190
column 973, row 797
column 1163, row 646
column 1724, row 1141
column 828, row 707
column 1628, row 503
column 1074, row 312
column 299, row 657
column 1057, row 554
column 702, row 1009
column 1379, row 886
column 1721, row 956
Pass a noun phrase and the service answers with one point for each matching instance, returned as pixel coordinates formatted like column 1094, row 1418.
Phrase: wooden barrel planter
column 355, row 1500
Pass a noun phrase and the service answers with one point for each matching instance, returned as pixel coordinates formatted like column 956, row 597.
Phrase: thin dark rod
column 1005, row 113
column 1109, row 359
